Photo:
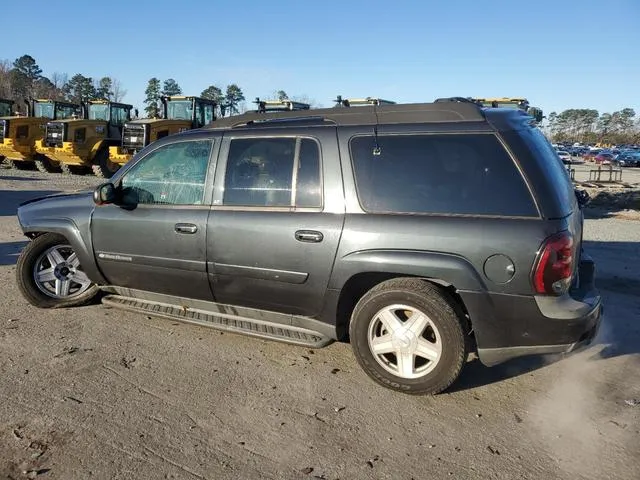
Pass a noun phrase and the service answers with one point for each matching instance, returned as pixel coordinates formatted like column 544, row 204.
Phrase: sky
column 557, row 53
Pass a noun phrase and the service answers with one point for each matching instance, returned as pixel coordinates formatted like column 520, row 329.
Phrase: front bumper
column 510, row 326
column 68, row 153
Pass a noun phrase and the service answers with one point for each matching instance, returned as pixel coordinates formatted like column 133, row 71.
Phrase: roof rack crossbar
column 284, row 105
column 353, row 102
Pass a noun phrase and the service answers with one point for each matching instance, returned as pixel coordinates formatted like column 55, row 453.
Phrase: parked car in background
column 628, row 159
column 604, row 158
column 590, row 155
column 564, row 156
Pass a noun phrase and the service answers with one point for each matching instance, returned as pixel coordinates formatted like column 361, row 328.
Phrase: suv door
column 154, row 239
column 276, row 220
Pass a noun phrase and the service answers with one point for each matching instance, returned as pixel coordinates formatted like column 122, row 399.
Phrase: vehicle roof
column 105, row 102
column 412, row 113
column 190, row 97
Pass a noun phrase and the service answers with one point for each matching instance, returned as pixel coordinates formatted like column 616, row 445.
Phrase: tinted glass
column 174, row 174
column 308, row 185
column 259, row 172
column 118, row 115
column 66, row 111
column 444, row 174
column 552, row 167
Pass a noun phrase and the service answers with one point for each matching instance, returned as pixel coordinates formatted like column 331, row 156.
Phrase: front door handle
column 310, row 236
column 186, row 228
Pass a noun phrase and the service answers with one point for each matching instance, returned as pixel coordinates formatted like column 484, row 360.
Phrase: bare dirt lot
column 99, row 393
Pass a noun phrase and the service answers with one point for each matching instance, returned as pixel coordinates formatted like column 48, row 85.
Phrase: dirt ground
column 99, row 393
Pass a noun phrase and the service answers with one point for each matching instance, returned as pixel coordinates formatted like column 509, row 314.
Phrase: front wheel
column 20, row 164
column 45, row 165
column 49, row 274
column 102, row 166
column 408, row 336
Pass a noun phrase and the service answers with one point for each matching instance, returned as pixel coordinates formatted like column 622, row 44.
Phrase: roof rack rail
column 355, row 102
column 395, row 113
column 457, row 99
column 284, row 105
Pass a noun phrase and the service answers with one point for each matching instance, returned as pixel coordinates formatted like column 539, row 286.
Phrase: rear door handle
column 186, row 228
column 310, row 236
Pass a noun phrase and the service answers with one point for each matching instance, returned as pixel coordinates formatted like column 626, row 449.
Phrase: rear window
column 459, row 174
column 555, row 179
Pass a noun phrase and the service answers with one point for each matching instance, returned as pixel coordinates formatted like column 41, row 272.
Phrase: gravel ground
column 99, row 393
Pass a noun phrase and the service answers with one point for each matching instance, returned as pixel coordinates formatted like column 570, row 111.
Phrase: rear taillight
column 555, row 265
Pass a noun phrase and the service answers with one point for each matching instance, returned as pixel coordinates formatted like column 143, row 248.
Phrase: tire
column 19, row 164
column 394, row 303
column 103, row 167
column 44, row 165
column 42, row 294
column 73, row 169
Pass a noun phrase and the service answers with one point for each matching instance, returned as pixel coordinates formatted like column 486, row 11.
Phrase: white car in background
column 564, row 156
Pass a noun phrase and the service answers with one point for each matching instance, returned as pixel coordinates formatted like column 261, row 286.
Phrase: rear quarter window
column 452, row 174
column 547, row 172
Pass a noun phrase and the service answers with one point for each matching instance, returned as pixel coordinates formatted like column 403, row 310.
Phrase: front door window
column 173, row 174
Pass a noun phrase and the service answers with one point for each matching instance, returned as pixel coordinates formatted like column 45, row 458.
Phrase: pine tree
column 152, row 98
column 171, row 87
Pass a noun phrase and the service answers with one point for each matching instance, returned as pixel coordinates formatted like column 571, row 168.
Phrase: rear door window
column 451, row 174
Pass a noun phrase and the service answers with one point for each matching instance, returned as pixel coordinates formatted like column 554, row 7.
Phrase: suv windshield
column 98, row 111
column 180, row 110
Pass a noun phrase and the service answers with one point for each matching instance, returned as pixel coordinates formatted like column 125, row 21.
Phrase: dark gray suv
column 418, row 232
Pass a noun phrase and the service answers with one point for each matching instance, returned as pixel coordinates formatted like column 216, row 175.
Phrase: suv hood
column 57, row 209
column 72, row 195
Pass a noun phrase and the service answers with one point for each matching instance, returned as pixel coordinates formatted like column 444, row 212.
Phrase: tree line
column 589, row 126
column 23, row 79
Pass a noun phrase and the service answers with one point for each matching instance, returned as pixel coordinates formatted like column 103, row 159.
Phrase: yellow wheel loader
column 82, row 145
column 19, row 134
column 178, row 114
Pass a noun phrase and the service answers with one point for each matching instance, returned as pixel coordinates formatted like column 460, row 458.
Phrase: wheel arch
column 67, row 229
column 362, row 271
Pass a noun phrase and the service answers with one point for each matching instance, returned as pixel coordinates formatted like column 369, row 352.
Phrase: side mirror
column 104, row 194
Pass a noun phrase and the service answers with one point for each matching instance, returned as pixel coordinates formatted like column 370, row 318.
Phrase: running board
column 222, row 321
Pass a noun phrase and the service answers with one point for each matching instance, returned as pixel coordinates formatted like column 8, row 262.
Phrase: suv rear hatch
column 552, row 187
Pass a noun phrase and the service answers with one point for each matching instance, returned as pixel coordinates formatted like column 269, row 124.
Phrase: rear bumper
column 590, row 327
column 510, row 326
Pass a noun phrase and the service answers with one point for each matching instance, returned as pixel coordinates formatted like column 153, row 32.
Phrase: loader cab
column 199, row 111
column 115, row 114
column 54, row 110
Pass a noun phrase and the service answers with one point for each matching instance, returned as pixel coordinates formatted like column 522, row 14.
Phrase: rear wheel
column 49, row 274
column 408, row 336
column 44, row 165
column 103, row 167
